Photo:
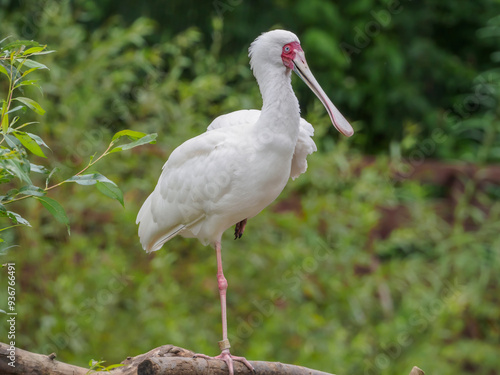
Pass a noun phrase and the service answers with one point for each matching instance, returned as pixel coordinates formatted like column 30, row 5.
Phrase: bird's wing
column 305, row 144
column 185, row 190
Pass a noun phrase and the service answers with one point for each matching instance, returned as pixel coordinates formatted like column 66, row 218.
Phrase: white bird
column 240, row 165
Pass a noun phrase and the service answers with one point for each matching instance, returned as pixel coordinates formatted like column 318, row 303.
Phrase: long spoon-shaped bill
column 300, row 67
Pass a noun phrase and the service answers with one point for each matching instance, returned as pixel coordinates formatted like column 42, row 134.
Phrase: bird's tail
column 153, row 234
column 147, row 227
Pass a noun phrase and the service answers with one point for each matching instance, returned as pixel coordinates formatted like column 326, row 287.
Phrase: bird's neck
column 280, row 108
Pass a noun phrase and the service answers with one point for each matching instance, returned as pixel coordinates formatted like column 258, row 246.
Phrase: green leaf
column 31, row 104
column 12, row 141
column 34, row 64
column 28, row 82
column 4, row 39
column 150, row 138
column 43, row 53
column 3, row 114
column 15, row 217
column 5, row 176
column 55, row 208
column 11, row 193
column 34, row 50
column 110, row 190
column 89, row 179
column 29, row 143
column 52, row 172
column 110, row 367
column 38, row 168
column 133, row 135
column 29, row 71
column 15, row 108
column 38, row 140
column 32, row 190
column 4, row 71
column 26, row 124
column 19, row 169
column 14, row 120
column 20, row 43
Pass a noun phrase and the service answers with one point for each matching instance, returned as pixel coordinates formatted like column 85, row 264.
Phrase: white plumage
column 200, row 171
column 304, row 146
column 241, row 163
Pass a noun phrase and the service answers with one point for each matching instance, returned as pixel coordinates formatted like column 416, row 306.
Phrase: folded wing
column 305, row 144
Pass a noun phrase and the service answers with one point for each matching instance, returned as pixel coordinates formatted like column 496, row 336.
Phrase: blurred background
column 384, row 255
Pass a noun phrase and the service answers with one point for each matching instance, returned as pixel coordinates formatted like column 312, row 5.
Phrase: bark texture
column 164, row 360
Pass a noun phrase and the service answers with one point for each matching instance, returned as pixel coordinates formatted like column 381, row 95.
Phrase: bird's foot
column 228, row 358
column 239, row 228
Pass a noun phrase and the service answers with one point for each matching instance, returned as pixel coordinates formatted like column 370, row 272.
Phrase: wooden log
column 164, row 360
column 25, row 362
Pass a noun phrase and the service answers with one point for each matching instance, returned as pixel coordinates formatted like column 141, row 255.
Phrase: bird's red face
column 289, row 52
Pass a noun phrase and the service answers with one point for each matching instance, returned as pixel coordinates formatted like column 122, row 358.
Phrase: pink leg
column 224, row 345
column 222, row 282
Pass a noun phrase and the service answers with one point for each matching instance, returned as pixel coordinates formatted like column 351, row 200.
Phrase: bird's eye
column 287, row 49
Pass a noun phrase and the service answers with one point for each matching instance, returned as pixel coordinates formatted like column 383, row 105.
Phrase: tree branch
column 31, row 363
column 164, row 360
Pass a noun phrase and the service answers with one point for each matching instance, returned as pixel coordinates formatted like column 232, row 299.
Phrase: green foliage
column 16, row 65
column 97, row 366
column 351, row 271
